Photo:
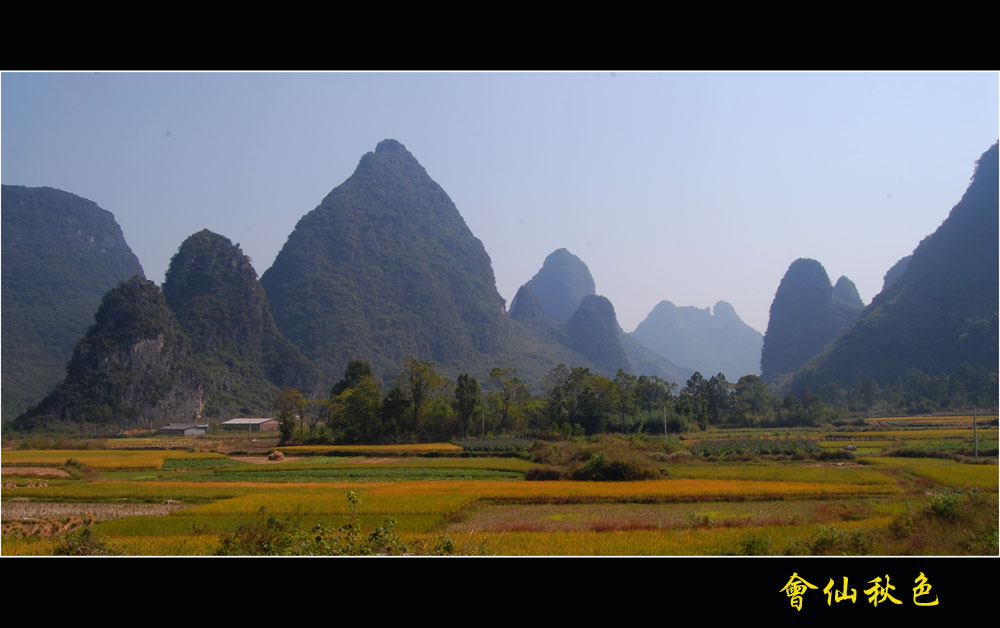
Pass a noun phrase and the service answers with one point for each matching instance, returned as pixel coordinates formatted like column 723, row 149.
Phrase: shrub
column 598, row 468
column 545, row 473
column 754, row 545
column 946, row 505
column 82, row 542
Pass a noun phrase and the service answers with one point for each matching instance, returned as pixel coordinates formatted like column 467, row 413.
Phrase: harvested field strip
column 689, row 542
column 798, row 472
column 103, row 458
column 37, row 472
column 415, row 449
column 99, row 512
column 947, row 472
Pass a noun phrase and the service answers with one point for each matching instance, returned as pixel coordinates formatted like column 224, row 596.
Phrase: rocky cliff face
column 805, row 318
column 384, row 268
column 61, row 254
column 135, row 364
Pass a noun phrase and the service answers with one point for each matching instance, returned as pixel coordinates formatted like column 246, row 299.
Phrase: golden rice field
column 946, row 472
column 700, row 508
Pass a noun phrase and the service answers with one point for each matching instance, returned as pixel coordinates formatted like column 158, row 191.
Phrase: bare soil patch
column 845, row 465
column 37, row 472
column 99, row 512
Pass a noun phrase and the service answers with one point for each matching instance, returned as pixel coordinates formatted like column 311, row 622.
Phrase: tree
column 752, row 402
column 290, row 404
column 625, row 397
column 466, row 399
column 422, row 381
column 361, row 409
column 395, row 408
column 717, row 398
column 511, row 393
column 356, row 369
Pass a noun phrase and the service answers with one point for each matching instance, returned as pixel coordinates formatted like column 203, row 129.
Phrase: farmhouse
column 183, row 429
column 251, row 425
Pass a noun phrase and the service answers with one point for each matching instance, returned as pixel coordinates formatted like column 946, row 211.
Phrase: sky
column 687, row 187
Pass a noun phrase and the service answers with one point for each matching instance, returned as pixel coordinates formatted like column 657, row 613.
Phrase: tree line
column 422, row 405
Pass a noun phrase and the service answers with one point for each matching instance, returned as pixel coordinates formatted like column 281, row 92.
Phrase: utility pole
column 975, row 436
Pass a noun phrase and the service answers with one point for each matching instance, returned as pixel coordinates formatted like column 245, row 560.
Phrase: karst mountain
column 61, row 255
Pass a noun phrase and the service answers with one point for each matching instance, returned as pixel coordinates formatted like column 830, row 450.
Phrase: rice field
column 946, row 472
column 177, row 502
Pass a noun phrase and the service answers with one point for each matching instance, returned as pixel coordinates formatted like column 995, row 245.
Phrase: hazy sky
column 689, row 187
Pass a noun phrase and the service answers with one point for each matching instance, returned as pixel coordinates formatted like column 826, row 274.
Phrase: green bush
column 601, row 469
column 946, row 505
column 82, row 542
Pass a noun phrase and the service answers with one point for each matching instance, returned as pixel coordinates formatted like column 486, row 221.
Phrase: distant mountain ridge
column 61, row 255
column 591, row 329
column 708, row 342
